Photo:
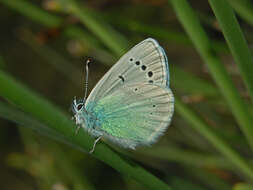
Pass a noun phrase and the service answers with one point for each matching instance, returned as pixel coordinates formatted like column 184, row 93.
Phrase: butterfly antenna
column 86, row 80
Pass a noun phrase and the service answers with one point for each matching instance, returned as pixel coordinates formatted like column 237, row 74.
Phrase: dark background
column 49, row 59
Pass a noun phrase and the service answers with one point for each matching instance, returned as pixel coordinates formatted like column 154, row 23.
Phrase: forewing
column 144, row 63
column 136, row 114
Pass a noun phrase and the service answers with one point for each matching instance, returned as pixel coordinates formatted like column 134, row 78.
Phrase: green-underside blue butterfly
column 132, row 105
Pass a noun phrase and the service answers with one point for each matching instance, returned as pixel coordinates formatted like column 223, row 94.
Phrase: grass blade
column 244, row 8
column 200, row 125
column 54, row 118
column 243, row 186
column 235, row 40
column 204, row 176
column 177, row 74
column 168, row 35
column 36, row 14
column 192, row 26
column 190, row 158
column 117, row 43
column 182, row 184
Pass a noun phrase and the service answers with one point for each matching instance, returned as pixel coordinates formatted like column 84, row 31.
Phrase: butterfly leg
column 77, row 129
column 93, row 148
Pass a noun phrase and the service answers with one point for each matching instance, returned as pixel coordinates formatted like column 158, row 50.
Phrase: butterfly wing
column 144, row 63
column 135, row 114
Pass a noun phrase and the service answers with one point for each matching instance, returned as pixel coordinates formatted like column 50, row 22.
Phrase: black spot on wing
column 150, row 73
column 143, row 67
column 122, row 78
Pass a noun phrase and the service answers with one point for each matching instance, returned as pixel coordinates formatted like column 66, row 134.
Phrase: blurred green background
column 44, row 45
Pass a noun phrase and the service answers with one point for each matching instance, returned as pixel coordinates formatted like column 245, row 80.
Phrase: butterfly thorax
column 89, row 119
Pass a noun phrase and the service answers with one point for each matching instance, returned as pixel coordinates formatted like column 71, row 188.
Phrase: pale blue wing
column 135, row 114
column 144, row 63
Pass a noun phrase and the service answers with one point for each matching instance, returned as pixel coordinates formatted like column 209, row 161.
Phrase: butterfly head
column 77, row 105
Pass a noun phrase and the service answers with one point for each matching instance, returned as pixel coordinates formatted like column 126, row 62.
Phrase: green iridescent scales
column 132, row 117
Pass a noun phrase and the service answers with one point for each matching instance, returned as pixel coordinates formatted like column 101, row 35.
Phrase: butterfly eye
column 79, row 106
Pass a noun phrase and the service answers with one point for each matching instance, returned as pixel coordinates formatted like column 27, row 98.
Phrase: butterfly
column 132, row 105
